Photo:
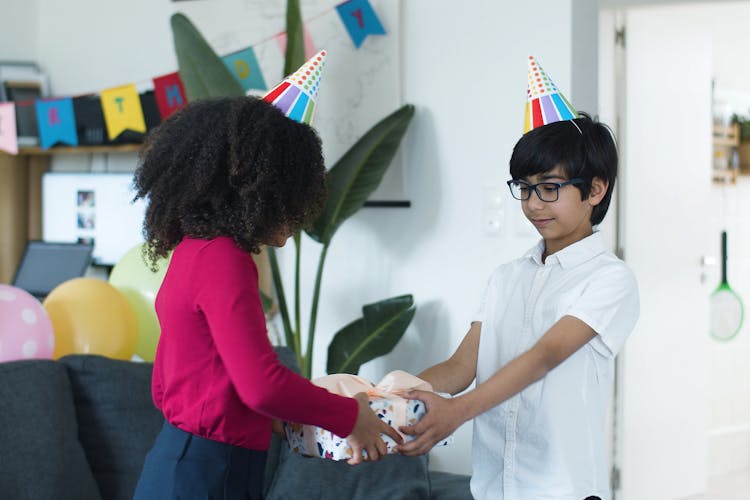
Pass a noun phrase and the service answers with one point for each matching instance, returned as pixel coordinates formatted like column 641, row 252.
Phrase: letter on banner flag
column 56, row 122
column 244, row 66
column 8, row 138
column 122, row 110
column 360, row 20
column 169, row 93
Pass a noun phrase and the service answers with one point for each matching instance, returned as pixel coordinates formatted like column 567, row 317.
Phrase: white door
column 666, row 176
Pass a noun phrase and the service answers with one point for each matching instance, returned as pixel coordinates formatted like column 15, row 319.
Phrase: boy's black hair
column 231, row 166
column 588, row 153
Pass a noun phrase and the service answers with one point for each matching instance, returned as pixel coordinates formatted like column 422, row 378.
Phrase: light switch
column 493, row 212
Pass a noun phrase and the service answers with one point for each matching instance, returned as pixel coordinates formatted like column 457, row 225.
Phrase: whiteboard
column 359, row 87
column 93, row 207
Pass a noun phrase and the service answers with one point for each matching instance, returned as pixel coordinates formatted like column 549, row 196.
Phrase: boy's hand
column 443, row 417
column 366, row 433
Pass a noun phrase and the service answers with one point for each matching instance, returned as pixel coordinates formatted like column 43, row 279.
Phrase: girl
column 223, row 177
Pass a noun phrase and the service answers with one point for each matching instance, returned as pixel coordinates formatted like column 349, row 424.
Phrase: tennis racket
column 727, row 311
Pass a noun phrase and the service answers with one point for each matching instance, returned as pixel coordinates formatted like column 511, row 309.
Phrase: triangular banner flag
column 56, row 122
column 360, row 20
column 8, row 138
column 170, row 94
column 122, row 110
column 245, row 68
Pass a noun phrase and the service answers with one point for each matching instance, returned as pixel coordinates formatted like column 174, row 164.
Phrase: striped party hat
column 297, row 94
column 545, row 104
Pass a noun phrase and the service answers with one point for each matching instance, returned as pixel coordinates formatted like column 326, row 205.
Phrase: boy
column 543, row 342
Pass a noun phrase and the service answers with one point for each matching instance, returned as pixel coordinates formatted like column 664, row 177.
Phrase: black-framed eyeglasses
column 546, row 191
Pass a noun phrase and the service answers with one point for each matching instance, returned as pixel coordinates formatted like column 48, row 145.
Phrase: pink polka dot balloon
column 25, row 328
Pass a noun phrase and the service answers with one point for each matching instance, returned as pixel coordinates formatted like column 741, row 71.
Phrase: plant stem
column 314, row 309
column 280, row 296
column 303, row 360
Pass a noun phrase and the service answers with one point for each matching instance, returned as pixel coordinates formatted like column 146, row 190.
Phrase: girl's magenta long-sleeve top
column 216, row 374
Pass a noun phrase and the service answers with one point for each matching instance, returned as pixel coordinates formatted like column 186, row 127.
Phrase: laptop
column 45, row 265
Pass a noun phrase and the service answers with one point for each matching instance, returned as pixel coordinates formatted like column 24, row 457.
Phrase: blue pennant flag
column 360, row 20
column 245, row 68
column 56, row 122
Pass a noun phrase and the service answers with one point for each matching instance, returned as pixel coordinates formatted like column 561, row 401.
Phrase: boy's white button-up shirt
column 548, row 441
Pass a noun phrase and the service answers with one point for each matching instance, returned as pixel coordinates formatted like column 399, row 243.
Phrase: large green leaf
column 202, row 71
column 375, row 334
column 294, row 57
column 358, row 173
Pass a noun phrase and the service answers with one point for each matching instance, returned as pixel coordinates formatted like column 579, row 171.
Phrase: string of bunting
column 127, row 114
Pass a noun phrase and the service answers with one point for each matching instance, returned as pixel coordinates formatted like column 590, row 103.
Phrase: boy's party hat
column 297, row 94
column 545, row 104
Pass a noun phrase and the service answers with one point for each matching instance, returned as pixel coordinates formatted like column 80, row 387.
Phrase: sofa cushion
column 117, row 420
column 40, row 453
column 449, row 486
column 392, row 478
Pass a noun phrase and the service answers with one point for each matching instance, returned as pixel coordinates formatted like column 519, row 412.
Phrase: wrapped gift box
column 384, row 401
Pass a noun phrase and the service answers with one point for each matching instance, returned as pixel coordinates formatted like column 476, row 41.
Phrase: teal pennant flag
column 56, row 122
column 245, row 68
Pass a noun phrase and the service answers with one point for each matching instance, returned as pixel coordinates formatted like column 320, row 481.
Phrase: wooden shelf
column 79, row 150
column 727, row 136
column 725, row 176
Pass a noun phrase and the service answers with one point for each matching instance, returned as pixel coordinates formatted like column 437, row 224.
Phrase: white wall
column 468, row 87
column 18, row 31
column 465, row 70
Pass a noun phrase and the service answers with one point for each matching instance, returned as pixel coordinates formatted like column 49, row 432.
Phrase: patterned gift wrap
column 315, row 441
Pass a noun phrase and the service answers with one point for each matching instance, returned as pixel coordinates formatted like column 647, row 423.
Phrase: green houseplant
column 351, row 180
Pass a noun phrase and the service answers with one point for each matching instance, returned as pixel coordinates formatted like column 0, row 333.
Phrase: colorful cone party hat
column 545, row 104
column 297, row 94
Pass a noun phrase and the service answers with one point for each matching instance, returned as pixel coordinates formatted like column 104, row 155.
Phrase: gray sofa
column 79, row 428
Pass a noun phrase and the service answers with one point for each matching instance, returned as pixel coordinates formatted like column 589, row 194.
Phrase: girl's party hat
column 545, row 104
column 296, row 95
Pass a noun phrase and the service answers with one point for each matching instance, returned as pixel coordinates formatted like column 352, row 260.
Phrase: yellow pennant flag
column 122, row 110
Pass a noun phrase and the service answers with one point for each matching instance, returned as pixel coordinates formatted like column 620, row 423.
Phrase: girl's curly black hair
column 231, row 166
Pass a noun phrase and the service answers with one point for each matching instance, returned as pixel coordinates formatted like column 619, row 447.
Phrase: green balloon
column 133, row 277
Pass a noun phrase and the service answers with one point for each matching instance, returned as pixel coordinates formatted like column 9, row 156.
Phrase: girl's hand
column 366, row 433
column 443, row 417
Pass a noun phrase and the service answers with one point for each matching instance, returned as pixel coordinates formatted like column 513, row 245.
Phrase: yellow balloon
column 133, row 277
column 89, row 316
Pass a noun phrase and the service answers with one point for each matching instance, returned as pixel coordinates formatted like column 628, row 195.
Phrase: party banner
column 360, row 20
column 127, row 116
column 8, row 138
column 122, row 110
column 170, row 94
column 56, row 122
column 245, row 68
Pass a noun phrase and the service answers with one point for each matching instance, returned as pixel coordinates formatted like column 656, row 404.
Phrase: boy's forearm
column 564, row 338
column 504, row 384
column 442, row 378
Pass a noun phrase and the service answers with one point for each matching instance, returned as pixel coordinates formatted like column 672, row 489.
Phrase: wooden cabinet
column 21, row 197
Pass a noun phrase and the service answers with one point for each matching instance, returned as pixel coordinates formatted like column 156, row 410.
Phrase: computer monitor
column 45, row 265
column 96, row 208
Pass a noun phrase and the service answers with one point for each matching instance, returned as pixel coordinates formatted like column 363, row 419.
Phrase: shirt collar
column 572, row 255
